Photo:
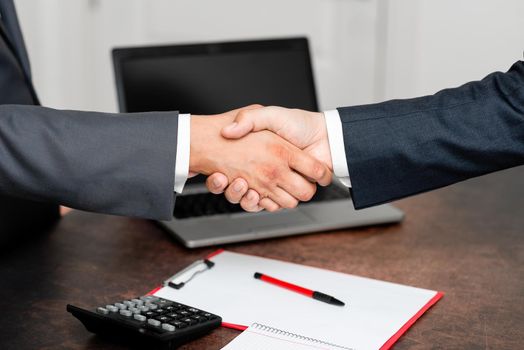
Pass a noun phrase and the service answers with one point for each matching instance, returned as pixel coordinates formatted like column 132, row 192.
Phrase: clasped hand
column 262, row 157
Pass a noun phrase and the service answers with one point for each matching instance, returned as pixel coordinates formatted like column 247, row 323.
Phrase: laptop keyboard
column 207, row 204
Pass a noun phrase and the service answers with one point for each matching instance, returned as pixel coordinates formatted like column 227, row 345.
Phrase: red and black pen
column 307, row 292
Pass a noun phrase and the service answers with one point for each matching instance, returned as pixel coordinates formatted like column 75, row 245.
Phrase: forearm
column 115, row 164
column 403, row 147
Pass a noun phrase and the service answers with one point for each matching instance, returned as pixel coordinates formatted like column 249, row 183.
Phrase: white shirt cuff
column 336, row 146
column 182, row 151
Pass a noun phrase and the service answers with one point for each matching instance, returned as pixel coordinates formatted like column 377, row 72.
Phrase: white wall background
column 363, row 50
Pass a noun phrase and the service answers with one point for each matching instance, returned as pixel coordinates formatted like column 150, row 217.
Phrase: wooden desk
column 466, row 240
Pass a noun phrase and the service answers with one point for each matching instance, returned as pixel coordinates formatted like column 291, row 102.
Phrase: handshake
column 262, row 157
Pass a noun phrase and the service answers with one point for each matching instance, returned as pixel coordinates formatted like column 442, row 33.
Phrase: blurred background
column 363, row 50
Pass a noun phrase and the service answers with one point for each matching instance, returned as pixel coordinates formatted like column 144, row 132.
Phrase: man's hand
column 274, row 168
column 306, row 130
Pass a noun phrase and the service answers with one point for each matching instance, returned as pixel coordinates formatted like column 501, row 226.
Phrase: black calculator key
column 209, row 316
column 159, row 311
column 184, row 313
column 179, row 324
column 163, row 319
column 150, row 314
column 199, row 318
column 193, row 310
column 173, row 315
column 189, row 321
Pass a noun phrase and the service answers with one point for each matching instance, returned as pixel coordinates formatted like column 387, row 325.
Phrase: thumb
column 247, row 121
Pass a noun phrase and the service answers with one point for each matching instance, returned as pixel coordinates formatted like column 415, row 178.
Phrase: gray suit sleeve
column 121, row 164
column 403, row 147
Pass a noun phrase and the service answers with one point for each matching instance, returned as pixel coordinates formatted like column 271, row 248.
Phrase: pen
column 307, row 292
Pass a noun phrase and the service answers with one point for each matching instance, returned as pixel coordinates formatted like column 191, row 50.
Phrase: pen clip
column 182, row 277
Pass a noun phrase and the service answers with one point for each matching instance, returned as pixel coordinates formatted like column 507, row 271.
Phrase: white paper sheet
column 374, row 310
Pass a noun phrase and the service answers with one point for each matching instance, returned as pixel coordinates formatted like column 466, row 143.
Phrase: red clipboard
column 387, row 345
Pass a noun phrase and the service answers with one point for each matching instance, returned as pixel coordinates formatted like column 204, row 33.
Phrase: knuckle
column 242, row 115
column 319, row 170
column 281, row 152
column 270, row 173
column 307, row 194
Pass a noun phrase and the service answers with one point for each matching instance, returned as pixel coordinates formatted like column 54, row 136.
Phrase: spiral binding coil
column 277, row 331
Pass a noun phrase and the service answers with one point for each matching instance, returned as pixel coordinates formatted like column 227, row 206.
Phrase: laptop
column 211, row 78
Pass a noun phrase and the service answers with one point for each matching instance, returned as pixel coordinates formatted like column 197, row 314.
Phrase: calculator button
column 154, row 323
column 170, row 308
column 199, row 318
column 129, row 303
column 193, row 310
column 163, row 318
column 173, row 315
column 178, row 324
column 148, row 299
column 135, row 310
column 126, row 313
column 102, row 310
column 150, row 314
column 189, row 321
column 209, row 316
column 144, row 308
column 184, row 313
column 112, row 308
column 160, row 311
column 168, row 327
column 140, row 318
column 121, row 306
column 137, row 302
column 151, row 306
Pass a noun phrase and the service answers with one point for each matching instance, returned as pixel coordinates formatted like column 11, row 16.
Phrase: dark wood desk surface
column 466, row 240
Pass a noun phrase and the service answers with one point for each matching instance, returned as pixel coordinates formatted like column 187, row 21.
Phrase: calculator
column 147, row 321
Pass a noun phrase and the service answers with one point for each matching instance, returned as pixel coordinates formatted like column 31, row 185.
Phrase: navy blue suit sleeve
column 403, row 147
column 108, row 163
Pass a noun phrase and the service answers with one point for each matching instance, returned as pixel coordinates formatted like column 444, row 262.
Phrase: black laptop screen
column 213, row 78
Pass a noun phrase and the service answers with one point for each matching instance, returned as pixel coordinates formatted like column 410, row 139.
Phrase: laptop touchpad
column 269, row 220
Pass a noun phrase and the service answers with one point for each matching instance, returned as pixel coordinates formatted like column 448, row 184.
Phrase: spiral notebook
column 262, row 337
column 376, row 313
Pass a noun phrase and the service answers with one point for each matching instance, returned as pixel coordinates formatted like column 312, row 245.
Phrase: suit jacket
column 403, row 147
column 108, row 163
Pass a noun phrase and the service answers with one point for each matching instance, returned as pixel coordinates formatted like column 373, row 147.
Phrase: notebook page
column 374, row 310
column 260, row 337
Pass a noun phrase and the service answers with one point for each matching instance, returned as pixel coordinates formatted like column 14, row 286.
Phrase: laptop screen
column 214, row 78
